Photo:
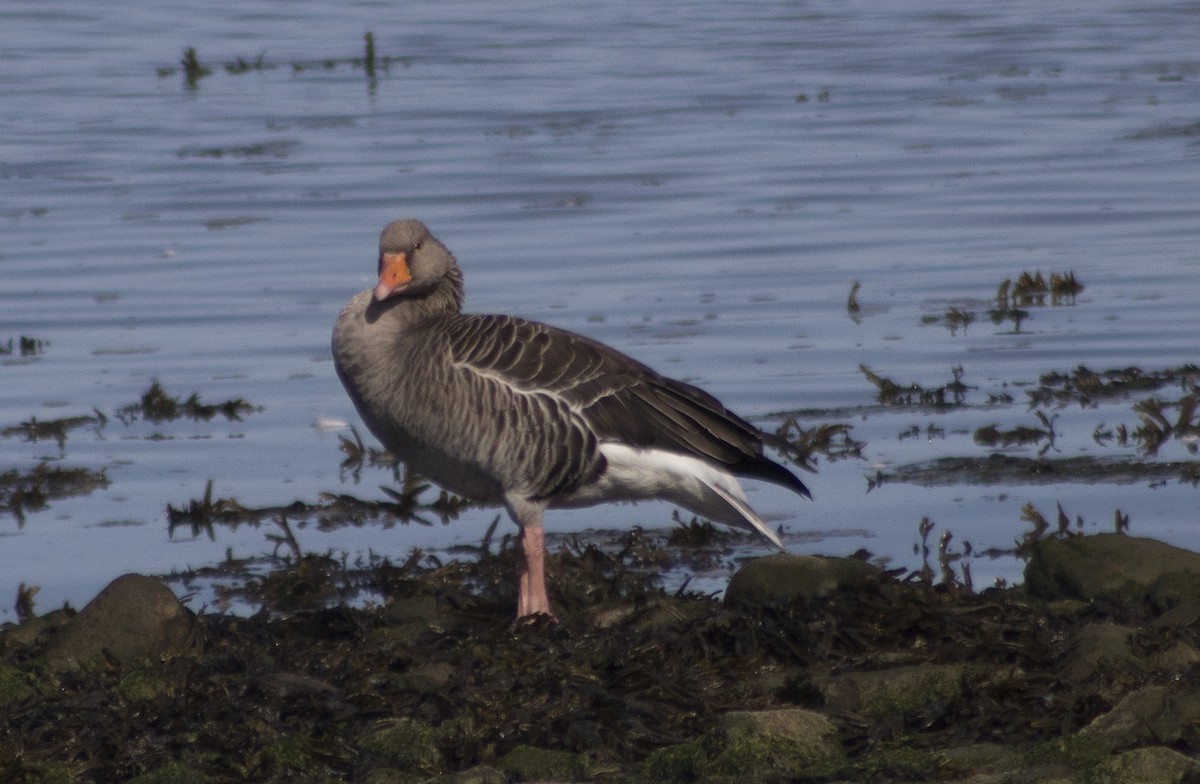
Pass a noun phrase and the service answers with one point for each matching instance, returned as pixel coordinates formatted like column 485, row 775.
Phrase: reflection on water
column 696, row 185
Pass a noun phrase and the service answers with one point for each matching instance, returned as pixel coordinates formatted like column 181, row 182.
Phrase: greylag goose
column 502, row 410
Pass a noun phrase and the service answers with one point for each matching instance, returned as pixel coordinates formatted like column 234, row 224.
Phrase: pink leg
column 532, row 598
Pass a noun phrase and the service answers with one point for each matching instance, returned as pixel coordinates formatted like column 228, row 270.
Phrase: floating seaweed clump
column 1030, row 290
column 953, row 319
column 31, row 490
column 1012, row 299
column 993, row 436
column 1005, row 469
column 892, row 394
column 831, row 439
column 157, row 406
column 1086, row 386
column 53, row 429
column 334, row 510
column 1156, row 428
column 370, row 63
column 25, row 347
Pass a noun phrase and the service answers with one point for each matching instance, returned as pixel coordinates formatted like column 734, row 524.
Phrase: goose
column 502, row 410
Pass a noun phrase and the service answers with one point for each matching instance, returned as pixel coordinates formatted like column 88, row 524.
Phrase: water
column 697, row 185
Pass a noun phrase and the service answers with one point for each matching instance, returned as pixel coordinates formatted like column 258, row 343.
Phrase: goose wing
column 617, row 397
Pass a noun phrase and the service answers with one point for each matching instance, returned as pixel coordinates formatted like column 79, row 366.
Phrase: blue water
column 697, row 184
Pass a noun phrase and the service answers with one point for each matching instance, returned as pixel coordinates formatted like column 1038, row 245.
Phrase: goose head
column 411, row 260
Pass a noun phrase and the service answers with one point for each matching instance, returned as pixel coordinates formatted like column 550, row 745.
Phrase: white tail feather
column 698, row 486
column 748, row 514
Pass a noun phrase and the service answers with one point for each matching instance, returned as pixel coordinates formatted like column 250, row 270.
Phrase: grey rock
column 774, row 745
column 135, row 618
column 1150, row 715
column 786, row 576
column 1151, row 765
column 1115, row 566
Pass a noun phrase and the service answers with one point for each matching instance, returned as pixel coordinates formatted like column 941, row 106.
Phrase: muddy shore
column 811, row 669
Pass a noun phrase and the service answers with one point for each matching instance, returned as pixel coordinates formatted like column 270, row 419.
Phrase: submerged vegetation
column 891, row 393
column 53, row 429
column 1013, row 301
column 23, row 347
column 157, row 406
column 369, row 63
column 32, row 489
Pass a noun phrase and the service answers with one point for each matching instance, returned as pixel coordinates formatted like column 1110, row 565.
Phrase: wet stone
column 478, row 775
column 403, row 744
column 1095, row 646
column 428, row 678
column 135, row 618
column 774, row 745
column 895, row 690
column 786, row 577
column 528, row 763
column 1153, row 714
column 1156, row 764
column 1116, row 567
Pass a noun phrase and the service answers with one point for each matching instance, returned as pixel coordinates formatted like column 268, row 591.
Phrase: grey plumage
column 500, row 409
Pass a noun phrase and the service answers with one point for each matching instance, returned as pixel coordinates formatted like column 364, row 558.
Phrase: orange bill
column 394, row 275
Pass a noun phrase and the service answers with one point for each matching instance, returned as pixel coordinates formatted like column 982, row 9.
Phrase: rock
column 1150, row 715
column 683, row 762
column 527, row 763
column 135, row 618
column 406, row 744
column 979, row 758
column 982, row 763
column 28, row 631
column 171, row 773
column 427, row 678
column 1114, row 566
column 15, row 685
column 657, row 613
column 146, row 683
column 775, row 745
column 410, row 618
column 758, row 746
column 1151, row 765
column 478, row 775
column 1094, row 646
column 1176, row 595
column 1101, row 645
column 786, row 577
column 291, row 684
column 419, row 609
column 895, row 690
column 1179, row 657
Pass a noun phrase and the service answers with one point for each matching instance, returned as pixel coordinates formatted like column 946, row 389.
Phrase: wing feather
column 614, row 396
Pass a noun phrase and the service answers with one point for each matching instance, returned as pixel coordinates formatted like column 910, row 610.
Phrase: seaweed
column 370, row 63
column 193, row 71
column 56, row 429
column 993, row 436
column 31, row 490
column 831, row 439
column 332, row 511
column 24, row 347
column 1086, row 387
column 157, row 406
column 893, row 394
